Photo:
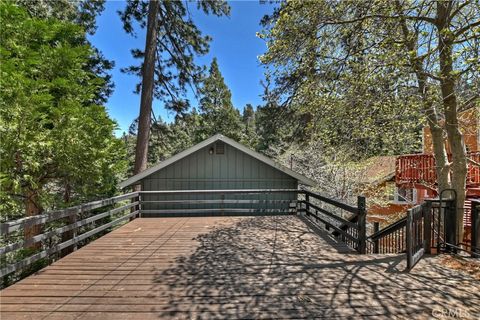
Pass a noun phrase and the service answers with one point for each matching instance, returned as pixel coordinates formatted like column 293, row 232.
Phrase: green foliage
column 250, row 137
column 82, row 13
column 347, row 68
column 53, row 132
column 166, row 139
column 345, row 90
column 179, row 42
column 218, row 114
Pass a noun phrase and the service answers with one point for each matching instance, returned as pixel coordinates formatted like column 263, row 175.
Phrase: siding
column 203, row 171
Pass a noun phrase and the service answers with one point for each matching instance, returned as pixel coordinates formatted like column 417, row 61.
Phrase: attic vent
column 220, row 148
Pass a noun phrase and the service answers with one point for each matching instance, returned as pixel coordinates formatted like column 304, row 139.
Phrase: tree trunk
column 32, row 208
column 141, row 150
column 438, row 141
column 442, row 167
column 455, row 137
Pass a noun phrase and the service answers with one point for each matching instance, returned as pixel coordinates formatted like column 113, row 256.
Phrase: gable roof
column 218, row 137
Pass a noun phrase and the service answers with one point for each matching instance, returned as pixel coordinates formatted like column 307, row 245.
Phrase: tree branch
column 460, row 7
column 466, row 28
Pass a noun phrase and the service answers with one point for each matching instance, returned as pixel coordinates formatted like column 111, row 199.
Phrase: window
column 405, row 195
column 390, row 191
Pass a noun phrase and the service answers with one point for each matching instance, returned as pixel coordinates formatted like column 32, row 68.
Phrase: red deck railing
column 417, row 169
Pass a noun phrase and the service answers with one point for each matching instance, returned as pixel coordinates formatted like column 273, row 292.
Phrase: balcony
column 418, row 171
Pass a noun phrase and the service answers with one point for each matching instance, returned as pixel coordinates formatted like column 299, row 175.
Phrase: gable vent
column 220, row 148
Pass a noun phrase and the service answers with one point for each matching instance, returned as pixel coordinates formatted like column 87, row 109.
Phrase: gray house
column 218, row 176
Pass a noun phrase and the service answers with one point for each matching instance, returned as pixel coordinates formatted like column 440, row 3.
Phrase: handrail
column 336, row 203
column 475, row 236
column 60, row 230
column 389, row 229
column 11, row 226
column 243, row 191
column 352, row 231
column 218, row 202
column 417, row 238
column 186, row 201
column 331, row 215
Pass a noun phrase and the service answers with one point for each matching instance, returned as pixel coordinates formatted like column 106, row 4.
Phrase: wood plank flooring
column 234, row 267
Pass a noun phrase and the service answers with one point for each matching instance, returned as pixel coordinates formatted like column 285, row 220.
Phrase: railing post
column 475, row 244
column 409, row 239
column 139, row 214
column 376, row 228
column 450, row 225
column 427, row 226
column 307, row 203
column 362, row 224
column 75, row 231
column 135, row 208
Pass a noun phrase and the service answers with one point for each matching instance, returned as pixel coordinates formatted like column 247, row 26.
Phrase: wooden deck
column 234, row 267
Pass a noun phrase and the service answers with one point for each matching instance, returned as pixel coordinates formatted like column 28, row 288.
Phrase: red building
column 415, row 175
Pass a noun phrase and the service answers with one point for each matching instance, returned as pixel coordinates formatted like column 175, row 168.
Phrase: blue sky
column 234, row 44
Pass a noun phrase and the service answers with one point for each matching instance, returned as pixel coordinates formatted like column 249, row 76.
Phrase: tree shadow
column 282, row 267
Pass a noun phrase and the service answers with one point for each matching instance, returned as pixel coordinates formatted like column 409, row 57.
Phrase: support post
column 307, row 203
column 475, row 229
column 376, row 228
column 139, row 215
column 135, row 208
column 75, row 232
column 362, row 225
column 427, row 226
column 409, row 239
column 450, row 225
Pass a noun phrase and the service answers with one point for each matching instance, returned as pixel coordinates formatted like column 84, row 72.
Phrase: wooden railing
column 92, row 219
column 429, row 227
column 49, row 242
column 420, row 169
column 219, row 202
column 418, row 233
column 394, row 237
column 89, row 219
column 390, row 239
column 424, row 227
column 347, row 223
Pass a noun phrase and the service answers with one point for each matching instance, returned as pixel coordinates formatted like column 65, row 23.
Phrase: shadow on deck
column 234, row 267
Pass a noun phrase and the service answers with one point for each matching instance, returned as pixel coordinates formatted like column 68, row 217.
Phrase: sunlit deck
column 233, row 267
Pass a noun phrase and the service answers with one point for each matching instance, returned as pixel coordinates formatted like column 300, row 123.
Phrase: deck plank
column 233, row 267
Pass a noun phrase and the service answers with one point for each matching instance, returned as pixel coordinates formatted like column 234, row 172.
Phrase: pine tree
column 218, row 113
column 172, row 42
column 249, row 124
